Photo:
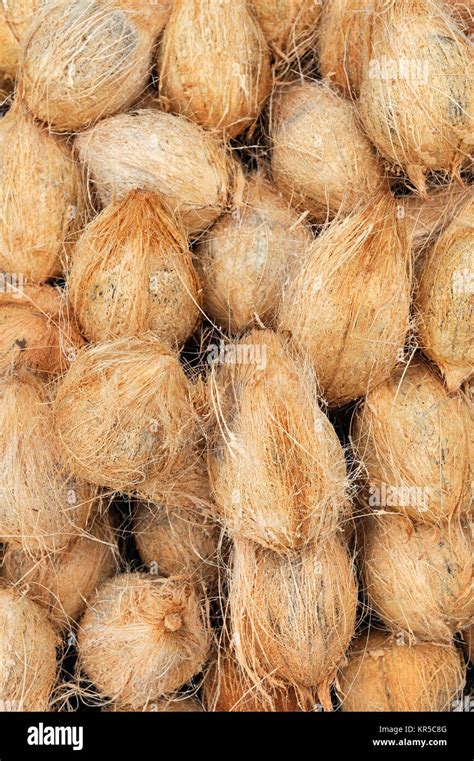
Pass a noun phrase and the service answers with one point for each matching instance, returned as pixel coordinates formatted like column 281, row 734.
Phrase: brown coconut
column 66, row 79
column 42, row 198
column 321, row 159
column 292, row 618
column 63, row 583
column 142, row 638
column 426, row 218
column 411, row 440
column 123, row 413
column 348, row 306
column 417, row 577
column 290, row 26
column 42, row 507
column 387, row 674
column 214, row 64
column 444, row 300
column 416, row 100
column 276, row 466
column 27, row 654
column 173, row 704
column 161, row 153
column 132, row 272
column 247, row 257
column 37, row 330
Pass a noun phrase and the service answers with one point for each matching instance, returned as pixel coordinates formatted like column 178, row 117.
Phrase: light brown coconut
column 37, row 330
column 42, row 198
column 321, row 159
column 214, row 64
column 292, row 618
column 417, row 577
column 444, row 300
column 161, row 153
column 186, row 486
column 348, row 306
column 42, row 507
column 123, row 413
column 416, row 100
column 276, row 466
column 15, row 18
column 132, row 272
column 247, row 257
column 142, row 638
column 388, row 674
column 411, row 440
column 86, row 60
column 426, row 218
column 173, row 704
column 27, row 654
column 290, row 26
column 64, row 582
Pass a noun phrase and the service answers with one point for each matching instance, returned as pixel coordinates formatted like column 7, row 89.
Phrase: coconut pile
column 236, row 355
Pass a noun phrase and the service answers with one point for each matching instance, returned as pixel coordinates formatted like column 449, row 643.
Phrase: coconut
column 42, row 198
column 426, row 218
column 292, row 618
column 65, row 78
column 444, row 303
column 412, row 441
column 64, row 582
column 132, row 272
column 27, row 654
column 419, row 111
column 321, row 160
column 173, row 704
column 161, row 153
column 247, row 257
column 37, row 333
column 348, row 306
column 387, row 674
column 123, row 413
column 42, row 507
column 142, row 638
column 418, row 578
column 276, row 466
column 214, row 64
column 15, row 18
column 290, row 26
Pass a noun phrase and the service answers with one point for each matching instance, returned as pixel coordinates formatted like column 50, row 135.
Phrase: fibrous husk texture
column 172, row 704
column 290, row 26
column 426, row 218
column 15, row 18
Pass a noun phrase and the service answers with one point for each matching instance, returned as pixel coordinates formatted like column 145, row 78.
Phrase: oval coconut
column 321, row 159
column 64, row 582
column 419, row 111
column 411, row 439
column 132, row 272
column 142, row 638
column 292, row 618
column 418, row 578
column 42, row 198
column 289, row 26
column 123, row 413
column 384, row 674
column 247, row 257
column 444, row 300
column 65, row 78
column 276, row 466
column 27, row 654
column 164, row 154
column 37, row 331
column 348, row 306
column 214, row 64
column 42, row 507
column 426, row 218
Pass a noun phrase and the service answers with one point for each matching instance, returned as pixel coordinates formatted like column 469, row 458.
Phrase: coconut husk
column 417, row 577
column 419, row 117
column 142, row 638
column 27, row 654
column 132, row 272
column 321, row 160
column 247, row 257
column 412, row 442
column 463, row 14
column 444, row 302
column 290, row 27
column 42, row 198
column 388, row 674
column 469, row 640
column 173, row 704
column 164, row 154
column 348, row 306
column 37, row 331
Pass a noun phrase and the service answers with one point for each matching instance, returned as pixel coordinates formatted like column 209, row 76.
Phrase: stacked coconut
column 177, row 180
